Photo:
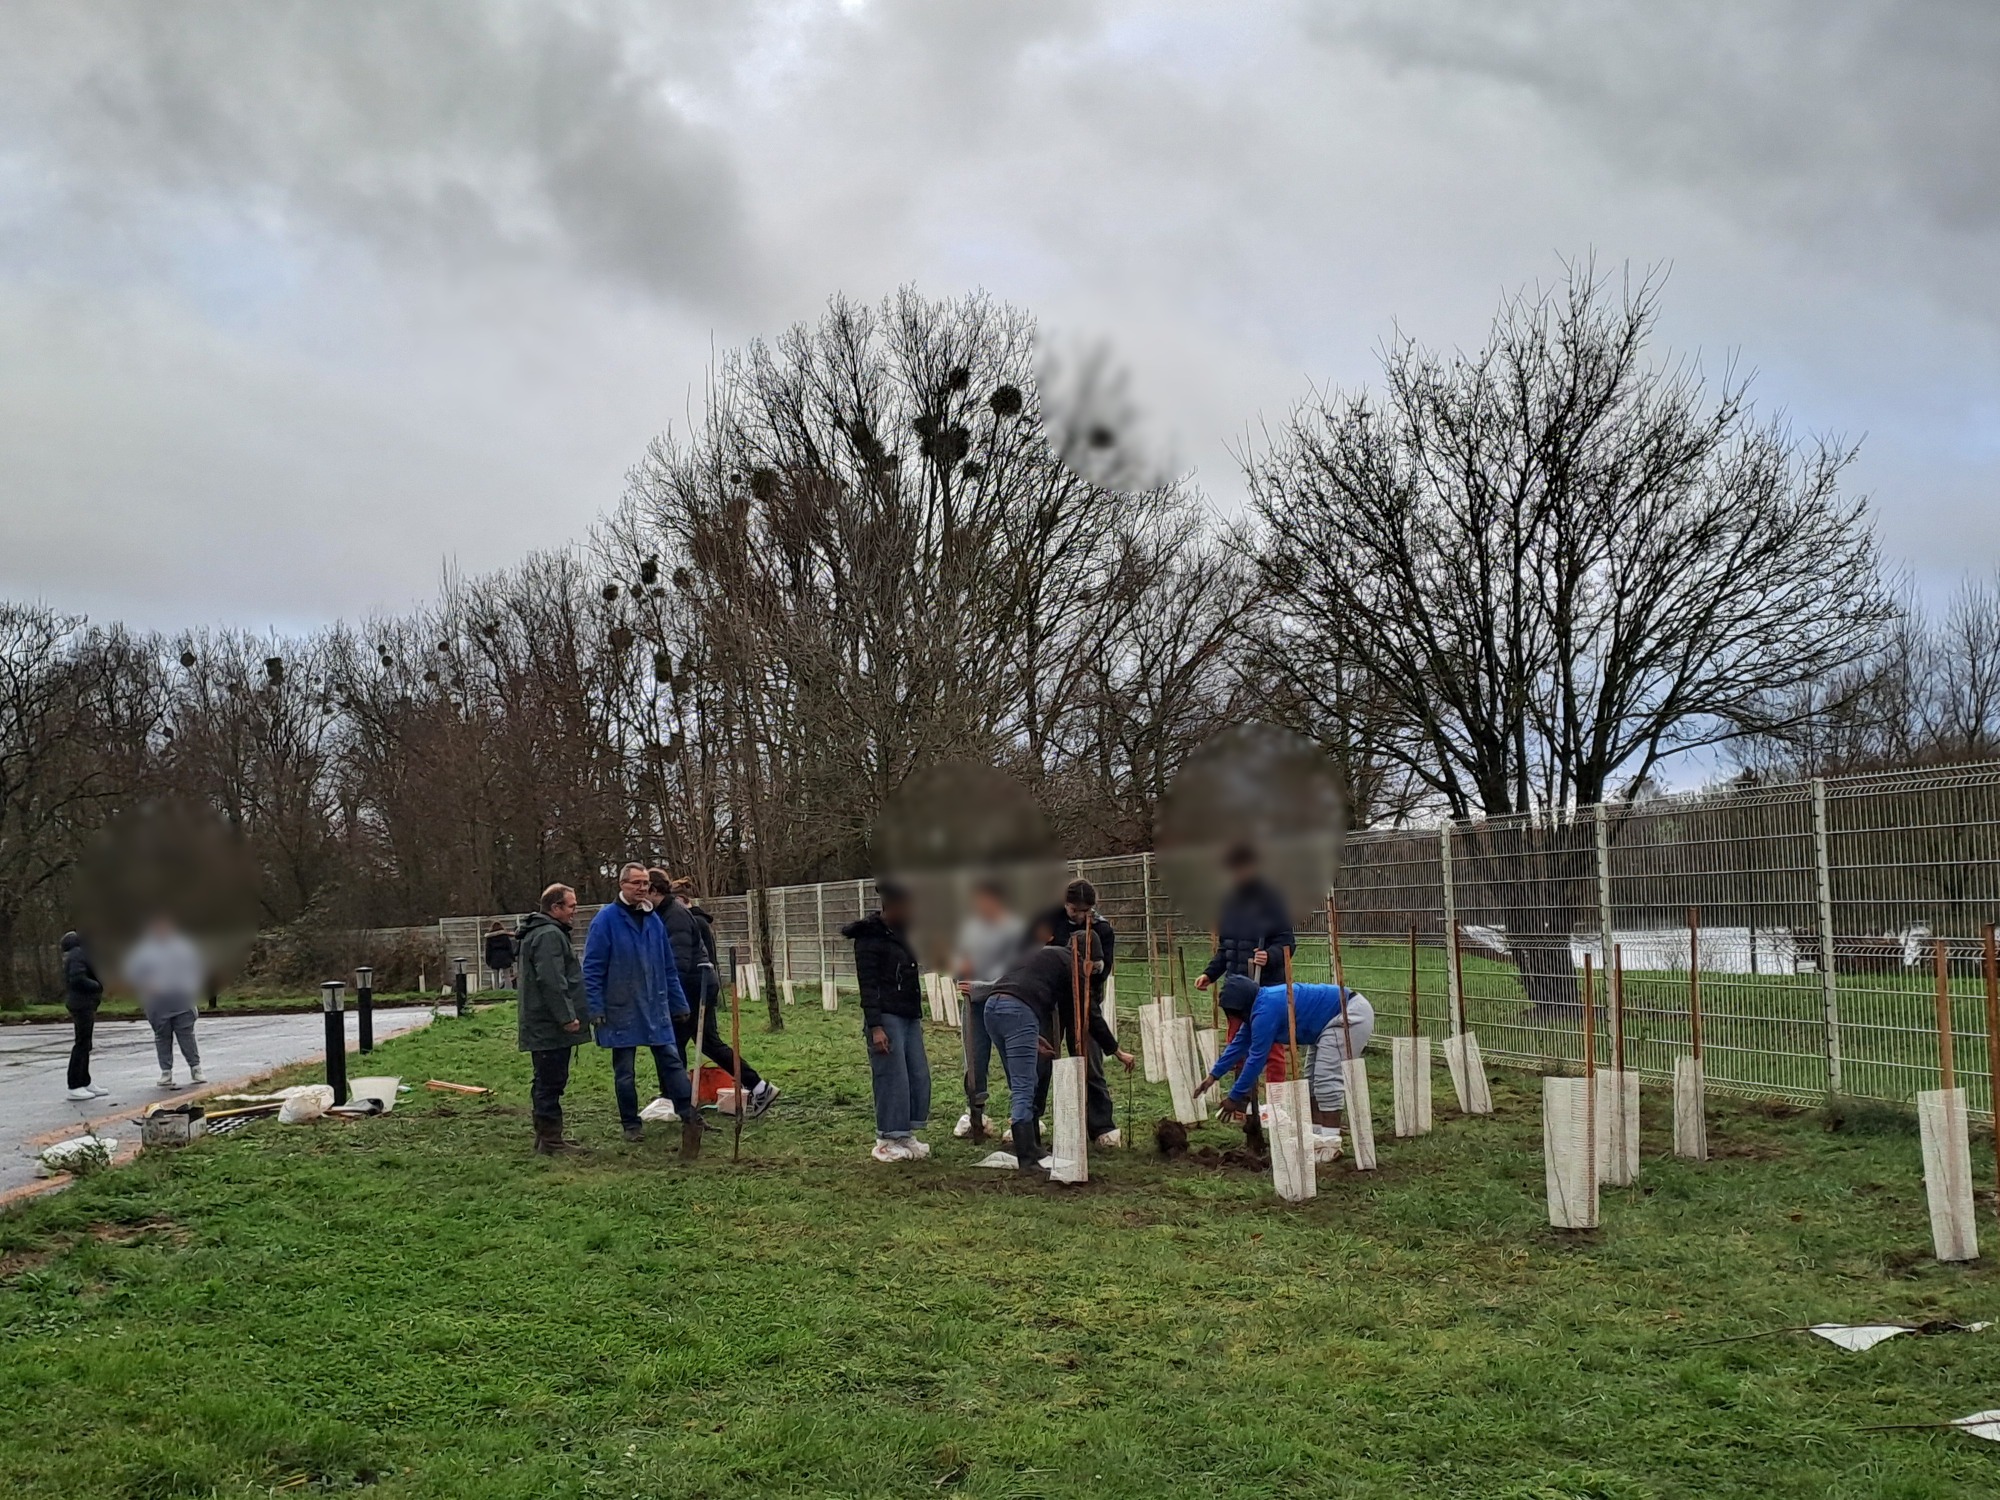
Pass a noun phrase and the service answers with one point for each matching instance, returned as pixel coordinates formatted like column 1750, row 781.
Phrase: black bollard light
column 364, row 1005
column 458, row 983
column 336, row 1038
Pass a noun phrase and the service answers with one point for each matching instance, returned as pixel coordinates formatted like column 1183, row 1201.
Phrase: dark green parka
column 551, row 986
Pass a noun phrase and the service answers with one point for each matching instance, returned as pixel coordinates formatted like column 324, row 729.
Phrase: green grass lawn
column 416, row 1306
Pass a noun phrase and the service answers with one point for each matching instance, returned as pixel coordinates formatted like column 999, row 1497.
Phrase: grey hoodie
column 167, row 971
column 988, row 949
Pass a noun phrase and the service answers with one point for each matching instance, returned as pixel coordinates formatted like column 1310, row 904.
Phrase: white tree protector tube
column 1181, row 1077
column 1569, row 1153
column 1356, row 1113
column 1109, row 1008
column 1292, row 1165
column 1152, row 1056
column 829, row 994
column 1468, row 1074
column 1690, row 1110
column 1410, row 1084
column 1618, row 1127
column 1071, row 1140
column 1947, row 1149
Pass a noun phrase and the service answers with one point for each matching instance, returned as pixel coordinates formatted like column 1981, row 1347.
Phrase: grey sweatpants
column 168, row 1029
column 1329, row 1089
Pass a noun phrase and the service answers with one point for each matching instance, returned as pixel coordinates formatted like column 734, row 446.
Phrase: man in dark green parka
column 552, row 1011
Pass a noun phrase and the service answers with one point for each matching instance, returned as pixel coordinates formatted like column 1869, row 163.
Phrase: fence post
column 819, row 913
column 784, row 945
column 1457, row 1001
column 1146, row 895
column 1829, row 984
column 1604, row 889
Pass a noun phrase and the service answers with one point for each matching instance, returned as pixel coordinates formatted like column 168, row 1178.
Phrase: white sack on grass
column 1569, row 1160
column 63, row 1156
column 1071, row 1139
column 1178, row 1043
column 829, row 994
column 1291, row 1132
column 1151, row 1058
column 1468, row 1074
column 1690, row 1110
column 1360, row 1121
column 661, row 1110
column 307, row 1101
column 1618, row 1127
column 1947, row 1150
column 1410, row 1084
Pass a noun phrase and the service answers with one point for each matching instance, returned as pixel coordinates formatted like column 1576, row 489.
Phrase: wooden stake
column 1694, row 980
column 1993, row 1049
column 736, row 1060
column 1413, row 982
column 1946, row 1073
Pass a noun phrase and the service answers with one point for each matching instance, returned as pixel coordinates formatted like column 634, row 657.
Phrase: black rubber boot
column 1027, row 1146
column 550, row 1140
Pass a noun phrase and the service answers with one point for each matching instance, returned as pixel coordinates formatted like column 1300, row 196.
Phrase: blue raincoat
column 629, row 979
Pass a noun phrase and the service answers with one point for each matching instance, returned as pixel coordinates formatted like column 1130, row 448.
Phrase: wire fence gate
column 1811, row 915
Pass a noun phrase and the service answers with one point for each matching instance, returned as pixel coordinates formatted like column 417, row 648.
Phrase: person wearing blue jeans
column 989, row 940
column 1022, row 1016
column 633, row 993
column 892, row 1019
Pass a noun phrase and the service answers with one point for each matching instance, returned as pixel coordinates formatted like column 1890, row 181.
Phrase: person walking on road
column 82, row 990
column 166, row 971
column 635, row 1000
column 892, row 1019
column 552, row 1009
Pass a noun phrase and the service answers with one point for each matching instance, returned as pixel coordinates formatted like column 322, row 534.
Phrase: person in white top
column 167, row 972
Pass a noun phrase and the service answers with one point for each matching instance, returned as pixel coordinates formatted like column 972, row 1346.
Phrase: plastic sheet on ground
column 307, row 1101
column 659, row 1111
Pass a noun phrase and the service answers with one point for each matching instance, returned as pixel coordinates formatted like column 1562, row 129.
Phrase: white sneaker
column 99, row 1090
column 81, row 1092
column 918, row 1149
column 166, row 1080
column 762, row 1097
column 888, row 1150
column 964, row 1126
column 1109, row 1139
column 194, row 1075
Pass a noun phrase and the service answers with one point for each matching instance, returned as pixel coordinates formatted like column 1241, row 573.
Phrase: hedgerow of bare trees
column 1503, row 583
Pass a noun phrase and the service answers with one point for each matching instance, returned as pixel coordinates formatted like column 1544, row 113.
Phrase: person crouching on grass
column 892, row 1019
column 1023, row 1017
column 1318, row 1007
column 635, row 1000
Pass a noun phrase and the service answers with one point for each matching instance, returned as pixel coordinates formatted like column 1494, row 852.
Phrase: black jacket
column 1040, row 980
column 82, row 989
column 693, row 942
column 500, row 951
column 1254, row 916
column 885, row 966
column 1103, row 945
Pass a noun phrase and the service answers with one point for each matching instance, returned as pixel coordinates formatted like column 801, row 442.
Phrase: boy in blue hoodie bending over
column 1319, row 1008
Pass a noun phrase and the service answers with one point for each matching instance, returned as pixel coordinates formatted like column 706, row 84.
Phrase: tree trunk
column 10, row 994
column 773, row 1001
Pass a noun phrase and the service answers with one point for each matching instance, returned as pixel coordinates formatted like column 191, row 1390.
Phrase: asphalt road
column 35, row 1058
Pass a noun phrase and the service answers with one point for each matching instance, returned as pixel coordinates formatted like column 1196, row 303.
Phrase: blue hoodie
column 1318, row 1006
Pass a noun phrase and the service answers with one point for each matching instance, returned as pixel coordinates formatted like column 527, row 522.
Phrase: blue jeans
column 1014, row 1031
column 673, row 1075
column 978, row 1051
column 902, row 1078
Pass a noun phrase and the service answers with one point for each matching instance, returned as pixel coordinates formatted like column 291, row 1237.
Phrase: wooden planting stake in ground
column 1293, row 1170
column 1353, row 1071
column 1690, row 1086
column 1410, row 1067
column 1067, row 1082
column 1993, row 1049
column 736, row 1071
column 1461, row 1048
column 1618, row 1135
column 1943, row 1131
column 1569, row 1130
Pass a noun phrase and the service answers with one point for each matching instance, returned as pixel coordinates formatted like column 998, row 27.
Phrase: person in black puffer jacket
column 82, row 991
column 1253, row 936
column 692, row 939
column 892, row 1018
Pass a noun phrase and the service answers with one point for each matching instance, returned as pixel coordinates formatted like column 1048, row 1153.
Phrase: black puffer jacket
column 694, row 951
column 82, row 989
column 885, row 966
column 1253, row 916
column 1102, row 947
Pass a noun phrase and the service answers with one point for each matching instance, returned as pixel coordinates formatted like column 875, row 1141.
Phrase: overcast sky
column 301, row 302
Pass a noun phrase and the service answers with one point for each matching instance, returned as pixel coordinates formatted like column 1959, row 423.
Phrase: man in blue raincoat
column 634, row 995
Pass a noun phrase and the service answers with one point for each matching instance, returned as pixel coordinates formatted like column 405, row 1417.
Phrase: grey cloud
column 464, row 132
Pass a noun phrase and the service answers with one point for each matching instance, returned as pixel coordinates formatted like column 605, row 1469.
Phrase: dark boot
column 691, row 1131
column 635, row 1133
column 550, row 1140
column 543, row 1136
column 1027, row 1146
column 977, row 1110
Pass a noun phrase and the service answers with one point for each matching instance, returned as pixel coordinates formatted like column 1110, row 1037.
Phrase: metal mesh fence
column 1808, row 918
